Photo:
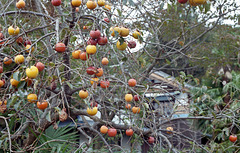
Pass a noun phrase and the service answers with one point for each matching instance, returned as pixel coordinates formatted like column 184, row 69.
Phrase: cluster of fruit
column 19, row 59
column 128, row 98
column 96, row 38
column 124, row 32
column 91, row 49
column 112, row 132
column 32, row 98
column 31, row 72
column 105, row 84
column 91, row 4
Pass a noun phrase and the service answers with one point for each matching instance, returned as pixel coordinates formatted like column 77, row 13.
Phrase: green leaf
column 12, row 122
column 21, row 84
column 89, row 24
column 218, row 130
column 207, row 7
column 190, row 76
column 1, row 141
column 205, row 57
column 214, row 115
column 53, row 149
column 119, row 12
column 131, row 2
column 65, row 148
column 121, row 40
column 63, row 32
column 219, row 137
column 12, row 101
column 226, row 131
column 16, row 106
column 175, row 8
column 124, row 59
column 6, row 143
column 73, row 39
column 107, row 31
column 182, row 73
column 51, row 64
column 48, row 117
column 140, row 39
column 200, row 8
column 59, row 148
column 196, row 81
column 57, row 109
column 140, row 59
column 168, row 62
column 169, row 7
column 69, row 84
column 17, row 76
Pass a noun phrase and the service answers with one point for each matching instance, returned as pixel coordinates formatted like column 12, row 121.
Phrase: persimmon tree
column 65, row 59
